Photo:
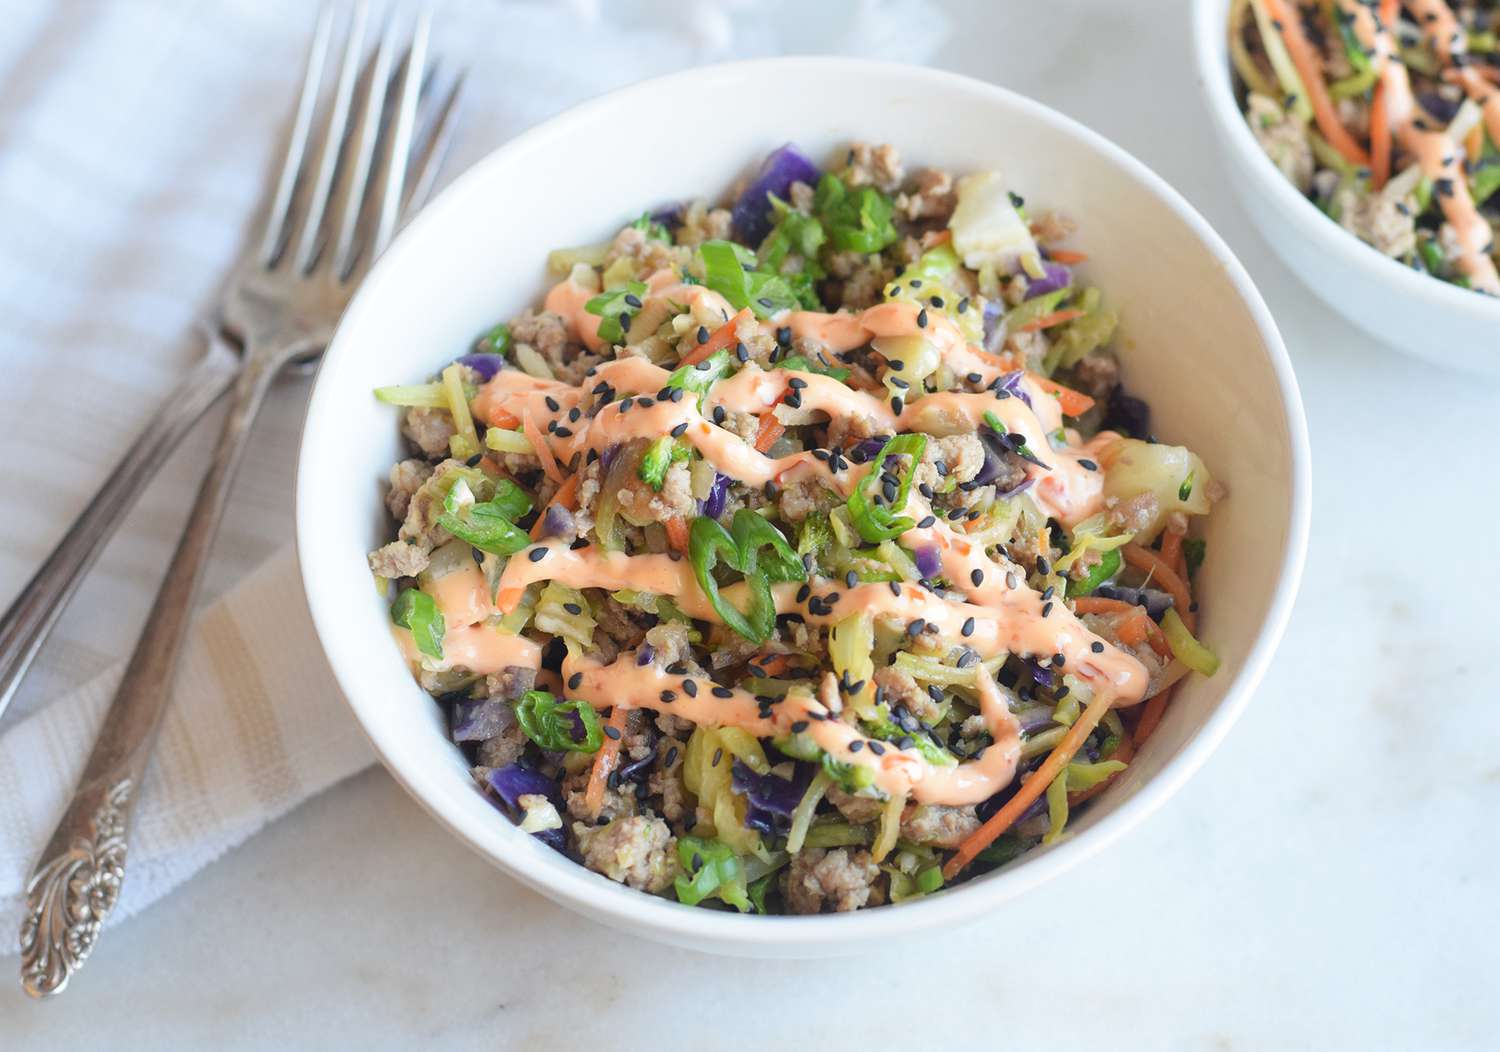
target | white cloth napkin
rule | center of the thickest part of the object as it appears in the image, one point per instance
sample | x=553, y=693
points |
x=133, y=138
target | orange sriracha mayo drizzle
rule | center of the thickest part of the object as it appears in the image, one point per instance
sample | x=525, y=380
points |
x=1002, y=614
x=1436, y=154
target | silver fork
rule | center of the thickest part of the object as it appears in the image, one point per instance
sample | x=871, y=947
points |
x=326, y=221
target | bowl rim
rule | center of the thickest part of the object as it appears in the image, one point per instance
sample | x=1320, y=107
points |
x=627, y=908
x=1211, y=57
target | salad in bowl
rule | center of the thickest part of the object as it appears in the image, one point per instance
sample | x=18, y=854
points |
x=1387, y=116
x=800, y=555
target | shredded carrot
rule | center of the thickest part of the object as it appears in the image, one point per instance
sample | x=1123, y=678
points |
x=999, y=361
x=1151, y=714
x=539, y=444
x=489, y=465
x=1380, y=138
x=1047, y=321
x=1152, y=563
x=932, y=239
x=1474, y=143
x=1309, y=67
x=720, y=338
x=566, y=496
x=1031, y=789
x=1135, y=626
x=1074, y=403
x=1063, y=255
x=770, y=430
x=677, y=533
x=1124, y=752
x=1171, y=551
x=604, y=761
x=503, y=418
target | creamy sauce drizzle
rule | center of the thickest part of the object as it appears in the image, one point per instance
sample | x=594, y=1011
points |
x=1436, y=154
x=1006, y=619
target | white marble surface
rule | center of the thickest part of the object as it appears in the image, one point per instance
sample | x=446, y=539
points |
x=1328, y=880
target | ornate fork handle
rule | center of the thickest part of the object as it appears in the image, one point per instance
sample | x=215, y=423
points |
x=36, y=609
x=77, y=881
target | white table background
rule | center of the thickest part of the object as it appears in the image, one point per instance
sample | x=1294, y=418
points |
x=1329, y=880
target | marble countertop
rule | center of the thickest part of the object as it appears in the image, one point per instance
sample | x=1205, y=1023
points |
x=1327, y=880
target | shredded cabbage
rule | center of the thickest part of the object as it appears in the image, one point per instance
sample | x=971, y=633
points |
x=849, y=646
x=1185, y=647
x=1172, y=474
x=987, y=228
x=554, y=615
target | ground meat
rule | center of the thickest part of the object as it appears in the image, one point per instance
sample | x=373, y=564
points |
x=425, y=505
x=399, y=559
x=505, y=748
x=1135, y=514
x=665, y=779
x=641, y=504
x=547, y=334
x=839, y=880
x=932, y=199
x=960, y=455
x=860, y=280
x=406, y=478
x=638, y=851
x=1096, y=375
x=510, y=683
x=804, y=497
x=1284, y=138
x=898, y=688
x=857, y=809
x=616, y=804
x=743, y=424
x=939, y=825
x=801, y=196
x=848, y=430
x=877, y=166
x=1048, y=227
x=649, y=254
x=428, y=430
x=618, y=622
x=700, y=224
x=1386, y=220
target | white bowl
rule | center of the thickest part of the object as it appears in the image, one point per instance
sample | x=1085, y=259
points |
x=1201, y=347
x=1410, y=311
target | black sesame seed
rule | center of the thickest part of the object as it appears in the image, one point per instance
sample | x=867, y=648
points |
x=922, y=318
x=877, y=748
x=895, y=588
x=573, y=608
x=646, y=403
x=719, y=414
x=968, y=629
x=679, y=430
x=690, y=688
x=1046, y=609
x=668, y=696
x=927, y=520
x=575, y=681
x=914, y=627
x=796, y=383
x=723, y=692
x=856, y=745
x=800, y=726
x=536, y=555
x=977, y=576
x=851, y=579
x=1097, y=647
x=612, y=732
x=703, y=334
x=718, y=756
x=1088, y=465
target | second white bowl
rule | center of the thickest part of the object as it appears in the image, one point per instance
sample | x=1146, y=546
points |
x=1413, y=312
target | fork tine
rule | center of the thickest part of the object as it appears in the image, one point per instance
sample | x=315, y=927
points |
x=276, y=215
x=395, y=146
x=351, y=194
x=429, y=158
x=333, y=140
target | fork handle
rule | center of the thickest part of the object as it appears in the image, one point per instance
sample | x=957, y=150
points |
x=77, y=882
x=35, y=611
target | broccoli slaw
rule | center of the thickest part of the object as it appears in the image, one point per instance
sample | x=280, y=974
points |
x=1387, y=116
x=802, y=556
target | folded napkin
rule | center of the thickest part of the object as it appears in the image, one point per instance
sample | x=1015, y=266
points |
x=256, y=726
x=133, y=138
